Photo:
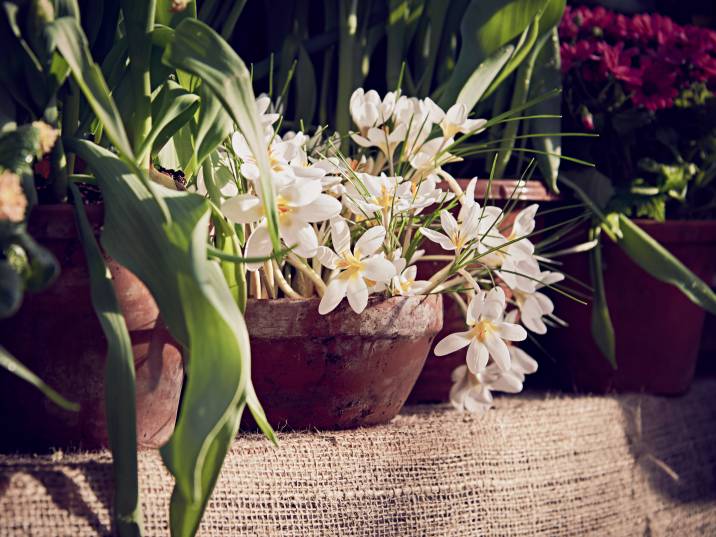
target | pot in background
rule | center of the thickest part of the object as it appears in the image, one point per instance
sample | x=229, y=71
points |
x=341, y=370
x=57, y=335
x=658, y=330
x=434, y=383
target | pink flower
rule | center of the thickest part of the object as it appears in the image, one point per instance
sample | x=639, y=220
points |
x=657, y=88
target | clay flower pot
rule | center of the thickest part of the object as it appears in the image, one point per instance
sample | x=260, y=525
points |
x=657, y=329
x=57, y=335
x=434, y=383
x=340, y=370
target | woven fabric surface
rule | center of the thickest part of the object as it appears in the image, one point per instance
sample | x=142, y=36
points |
x=536, y=465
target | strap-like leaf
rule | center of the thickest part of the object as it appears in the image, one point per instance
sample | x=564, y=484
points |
x=662, y=265
x=72, y=44
x=14, y=366
x=199, y=50
x=482, y=77
x=119, y=387
x=197, y=306
x=602, y=328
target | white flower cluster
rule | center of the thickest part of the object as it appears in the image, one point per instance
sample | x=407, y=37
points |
x=352, y=227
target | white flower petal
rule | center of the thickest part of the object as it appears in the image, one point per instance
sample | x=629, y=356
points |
x=357, y=294
x=378, y=269
x=258, y=245
x=453, y=342
x=510, y=332
x=327, y=257
x=300, y=236
x=340, y=235
x=335, y=292
x=521, y=361
x=507, y=382
x=498, y=350
x=435, y=236
x=243, y=209
x=301, y=192
x=477, y=356
x=370, y=242
x=324, y=207
x=448, y=223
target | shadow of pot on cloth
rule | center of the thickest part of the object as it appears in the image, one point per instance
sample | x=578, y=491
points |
x=56, y=334
x=657, y=329
x=341, y=370
x=434, y=383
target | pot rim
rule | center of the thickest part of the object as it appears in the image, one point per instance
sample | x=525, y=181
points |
x=399, y=316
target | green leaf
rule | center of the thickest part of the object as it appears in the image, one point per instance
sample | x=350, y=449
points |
x=9, y=362
x=212, y=126
x=197, y=306
x=662, y=265
x=482, y=77
x=198, y=50
x=172, y=108
x=602, y=328
x=119, y=388
x=306, y=90
x=18, y=147
x=547, y=76
x=72, y=44
x=43, y=268
x=488, y=25
x=11, y=290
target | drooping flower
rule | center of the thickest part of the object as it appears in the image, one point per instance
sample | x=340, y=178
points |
x=473, y=392
x=487, y=334
x=298, y=204
x=535, y=305
x=12, y=199
x=357, y=270
x=456, y=121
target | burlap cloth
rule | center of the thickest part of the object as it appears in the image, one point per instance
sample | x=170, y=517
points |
x=537, y=465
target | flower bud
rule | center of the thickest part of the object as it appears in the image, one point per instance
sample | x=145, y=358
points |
x=47, y=137
x=12, y=199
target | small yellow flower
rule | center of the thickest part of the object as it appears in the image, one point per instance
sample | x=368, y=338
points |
x=48, y=136
x=12, y=199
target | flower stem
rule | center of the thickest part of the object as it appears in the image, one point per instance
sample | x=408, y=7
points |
x=301, y=266
x=282, y=283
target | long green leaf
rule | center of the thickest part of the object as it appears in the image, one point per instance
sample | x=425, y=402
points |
x=119, y=386
x=602, y=328
x=482, y=77
x=14, y=366
x=486, y=26
x=197, y=306
x=72, y=44
x=547, y=76
x=172, y=108
x=199, y=50
x=662, y=265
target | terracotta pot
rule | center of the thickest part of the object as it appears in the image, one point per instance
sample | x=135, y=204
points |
x=434, y=383
x=658, y=329
x=57, y=335
x=341, y=370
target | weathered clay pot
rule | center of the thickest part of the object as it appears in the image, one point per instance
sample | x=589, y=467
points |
x=434, y=382
x=657, y=329
x=340, y=370
x=57, y=335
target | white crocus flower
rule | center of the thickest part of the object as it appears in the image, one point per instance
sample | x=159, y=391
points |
x=456, y=235
x=425, y=192
x=279, y=155
x=432, y=155
x=357, y=270
x=374, y=194
x=365, y=109
x=473, y=392
x=456, y=121
x=405, y=283
x=382, y=138
x=263, y=103
x=298, y=205
x=486, y=334
x=533, y=306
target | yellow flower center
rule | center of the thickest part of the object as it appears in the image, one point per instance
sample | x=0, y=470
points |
x=386, y=198
x=283, y=208
x=406, y=285
x=481, y=329
x=350, y=264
